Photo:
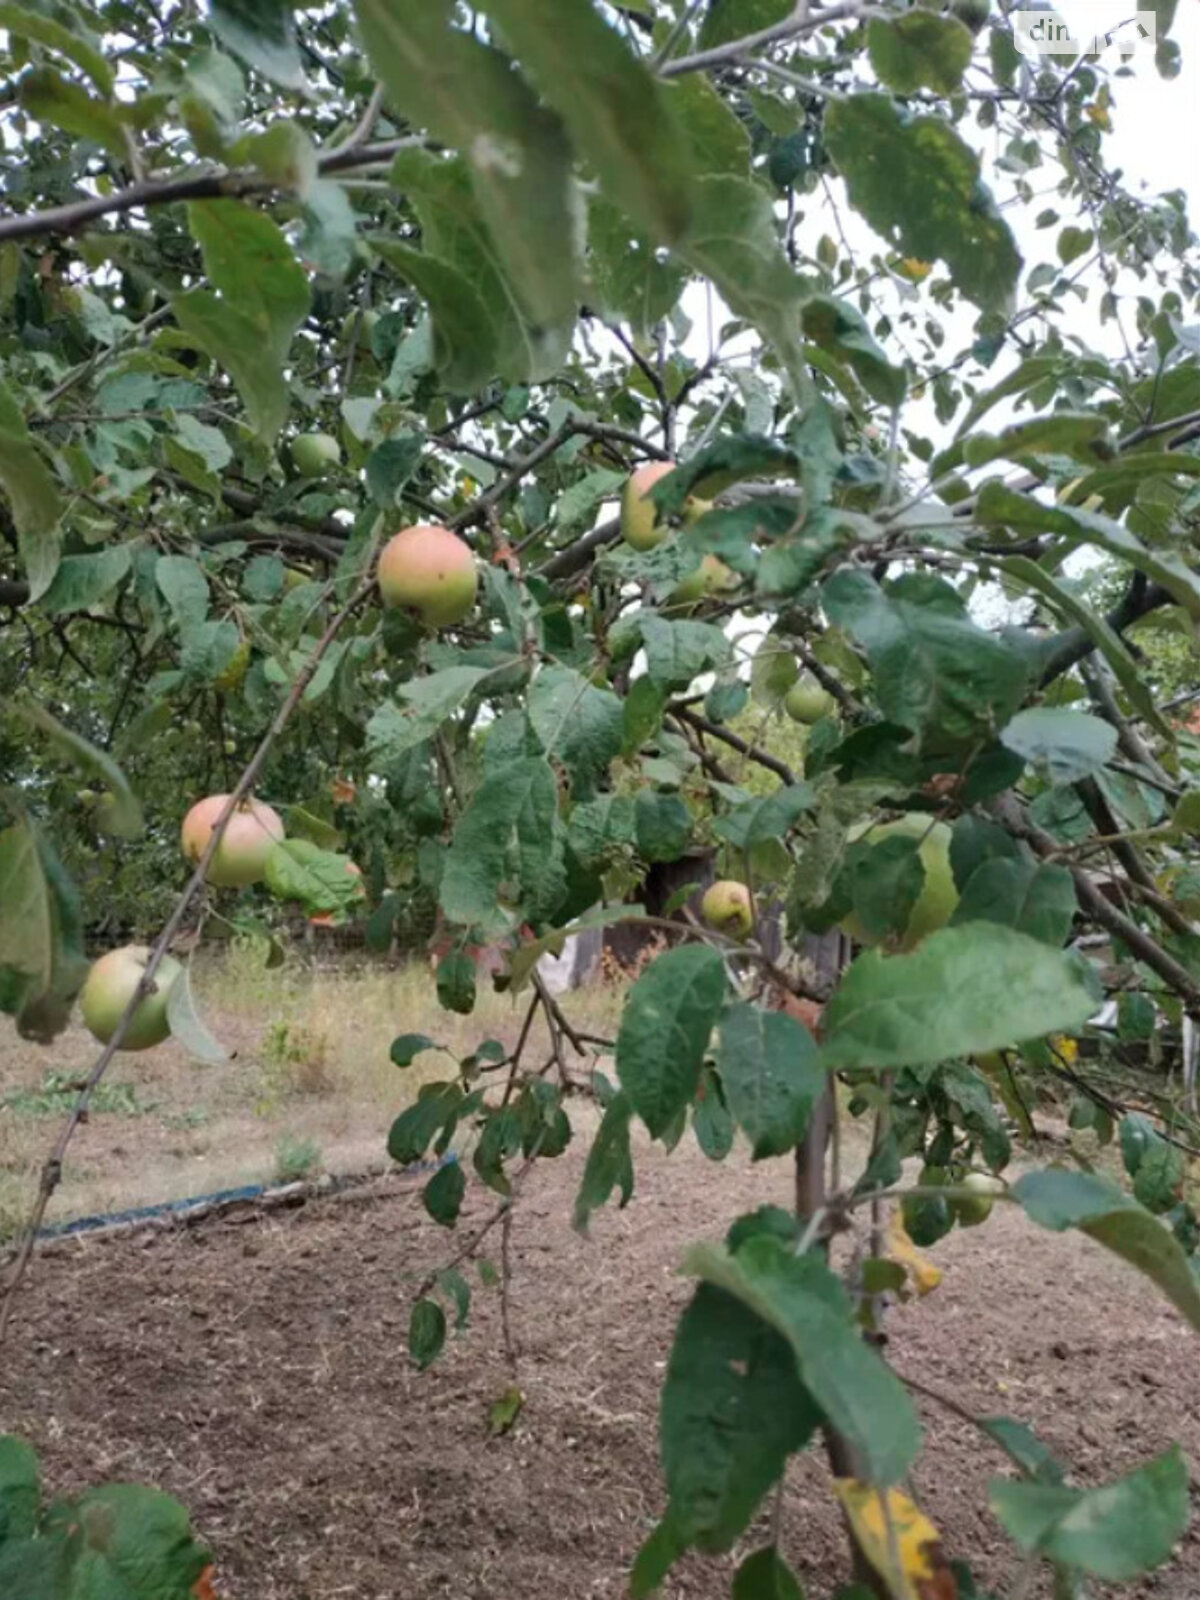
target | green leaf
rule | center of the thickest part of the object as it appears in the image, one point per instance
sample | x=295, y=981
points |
x=443, y=1194
x=719, y=466
x=187, y=1026
x=456, y=983
x=936, y=672
x=658, y=1553
x=56, y=35
x=1023, y=1447
x=1060, y=744
x=1058, y=1200
x=609, y=1164
x=614, y=110
x=1083, y=435
x=83, y=581
x=919, y=49
x=32, y=495
x=390, y=466
x=669, y=1016
x=765, y=1575
x=184, y=587
x=42, y=965
x=406, y=1047
x=711, y=1121
x=466, y=93
x=503, y=1413
x=68, y=107
x=577, y=723
x=431, y=700
x=1115, y=1532
x=426, y=1332
x=123, y=815
x=510, y=830
x=1035, y=899
x=998, y=504
x=1110, y=644
x=771, y=1076
x=727, y=20
x=262, y=298
x=19, y=1491
x=768, y=818
x=441, y=192
x=263, y=33
x=719, y=142
x=321, y=880
x=628, y=278
x=836, y=326
x=732, y=1410
x=120, y=1540
x=734, y=241
x=886, y=881
x=963, y=991
x=678, y=652
x=641, y=714
x=411, y=1133
x=918, y=185
x=464, y=339
x=802, y=1299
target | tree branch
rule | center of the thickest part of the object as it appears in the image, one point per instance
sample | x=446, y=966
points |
x=802, y=20
x=734, y=741
x=51, y=1173
x=222, y=183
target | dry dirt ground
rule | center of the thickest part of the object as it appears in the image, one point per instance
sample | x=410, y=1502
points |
x=258, y=1372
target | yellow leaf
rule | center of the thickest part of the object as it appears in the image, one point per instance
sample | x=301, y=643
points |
x=1066, y=1049
x=912, y=268
x=898, y=1540
x=900, y=1249
x=1099, y=115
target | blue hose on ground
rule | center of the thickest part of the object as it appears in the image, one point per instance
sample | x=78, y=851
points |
x=252, y=1191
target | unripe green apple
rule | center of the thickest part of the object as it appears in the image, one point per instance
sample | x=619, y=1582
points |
x=640, y=525
x=939, y=896
x=431, y=571
x=109, y=987
x=250, y=835
x=972, y=13
x=807, y=702
x=727, y=908
x=710, y=577
x=978, y=1208
x=315, y=454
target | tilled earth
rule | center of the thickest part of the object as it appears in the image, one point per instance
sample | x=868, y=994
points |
x=257, y=1370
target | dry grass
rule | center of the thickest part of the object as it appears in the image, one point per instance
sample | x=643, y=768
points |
x=309, y=1070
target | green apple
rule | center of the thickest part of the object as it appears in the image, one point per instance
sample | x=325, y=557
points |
x=315, y=454
x=939, y=896
x=110, y=986
x=640, y=525
x=807, y=702
x=727, y=908
x=710, y=577
x=978, y=1208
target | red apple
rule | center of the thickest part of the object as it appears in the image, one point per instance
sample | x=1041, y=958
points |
x=252, y=832
x=430, y=570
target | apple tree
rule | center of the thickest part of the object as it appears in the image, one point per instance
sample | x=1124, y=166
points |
x=447, y=446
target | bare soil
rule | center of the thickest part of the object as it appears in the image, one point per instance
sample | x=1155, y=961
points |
x=258, y=1372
